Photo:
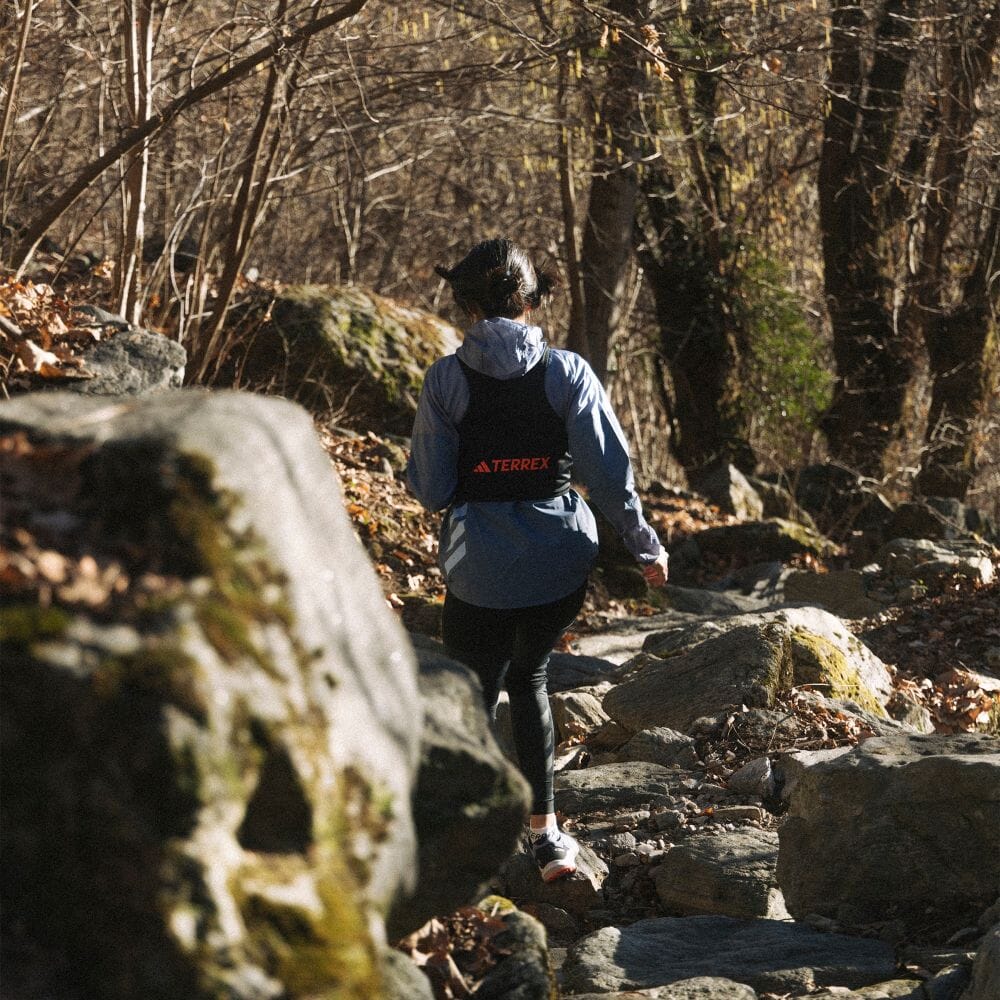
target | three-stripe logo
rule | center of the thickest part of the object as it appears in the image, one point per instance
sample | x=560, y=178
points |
x=482, y=467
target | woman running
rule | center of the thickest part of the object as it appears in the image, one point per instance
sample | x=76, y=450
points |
x=502, y=427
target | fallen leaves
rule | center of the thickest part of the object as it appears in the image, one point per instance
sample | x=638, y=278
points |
x=944, y=650
x=457, y=951
x=38, y=337
x=44, y=575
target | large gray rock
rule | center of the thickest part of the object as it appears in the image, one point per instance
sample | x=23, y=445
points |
x=842, y=592
x=926, y=560
x=662, y=746
x=732, y=873
x=761, y=541
x=696, y=988
x=892, y=830
x=613, y=786
x=820, y=649
x=746, y=665
x=985, y=983
x=211, y=794
x=769, y=955
x=469, y=804
x=576, y=894
x=132, y=362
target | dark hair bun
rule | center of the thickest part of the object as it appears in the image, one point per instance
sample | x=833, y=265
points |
x=496, y=278
x=502, y=282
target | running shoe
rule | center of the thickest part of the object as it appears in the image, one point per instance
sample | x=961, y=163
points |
x=554, y=852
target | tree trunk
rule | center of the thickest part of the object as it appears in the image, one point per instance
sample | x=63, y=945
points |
x=9, y=107
x=685, y=261
x=695, y=341
x=607, y=232
x=138, y=27
x=873, y=364
x=963, y=347
x=962, y=341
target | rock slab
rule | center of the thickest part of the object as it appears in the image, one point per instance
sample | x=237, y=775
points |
x=469, y=803
x=732, y=873
x=768, y=955
x=891, y=829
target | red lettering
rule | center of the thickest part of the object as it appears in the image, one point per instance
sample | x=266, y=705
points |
x=545, y=462
x=505, y=465
x=496, y=464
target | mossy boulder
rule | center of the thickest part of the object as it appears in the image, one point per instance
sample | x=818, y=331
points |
x=816, y=639
x=747, y=665
x=710, y=667
x=206, y=770
x=326, y=345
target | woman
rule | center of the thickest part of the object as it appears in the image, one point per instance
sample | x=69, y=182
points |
x=501, y=426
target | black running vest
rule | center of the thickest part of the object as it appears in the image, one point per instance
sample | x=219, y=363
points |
x=512, y=444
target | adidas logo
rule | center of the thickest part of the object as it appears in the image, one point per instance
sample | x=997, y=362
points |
x=482, y=467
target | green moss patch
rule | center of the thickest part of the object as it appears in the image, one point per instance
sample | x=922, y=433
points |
x=817, y=661
x=23, y=624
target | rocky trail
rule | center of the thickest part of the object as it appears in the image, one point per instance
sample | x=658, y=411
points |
x=684, y=826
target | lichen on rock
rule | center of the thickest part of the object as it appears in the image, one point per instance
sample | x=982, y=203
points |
x=818, y=662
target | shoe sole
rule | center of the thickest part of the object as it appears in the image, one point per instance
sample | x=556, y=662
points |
x=558, y=872
x=557, y=869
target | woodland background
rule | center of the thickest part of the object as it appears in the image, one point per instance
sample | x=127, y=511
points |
x=776, y=222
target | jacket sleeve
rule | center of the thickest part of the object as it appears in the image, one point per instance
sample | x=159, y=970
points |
x=600, y=455
x=432, y=470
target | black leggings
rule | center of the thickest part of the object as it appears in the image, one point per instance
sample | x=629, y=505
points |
x=510, y=647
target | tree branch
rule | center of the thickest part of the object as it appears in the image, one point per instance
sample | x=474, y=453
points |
x=138, y=134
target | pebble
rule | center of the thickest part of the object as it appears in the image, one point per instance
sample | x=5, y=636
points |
x=669, y=820
x=628, y=860
x=734, y=814
x=619, y=843
x=629, y=821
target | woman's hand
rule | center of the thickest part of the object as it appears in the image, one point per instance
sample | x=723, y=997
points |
x=656, y=572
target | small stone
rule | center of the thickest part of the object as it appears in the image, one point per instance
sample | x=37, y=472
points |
x=630, y=820
x=755, y=777
x=668, y=820
x=619, y=843
x=627, y=860
x=735, y=814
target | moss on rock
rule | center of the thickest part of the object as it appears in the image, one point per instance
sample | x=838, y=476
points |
x=23, y=624
x=817, y=661
x=324, y=344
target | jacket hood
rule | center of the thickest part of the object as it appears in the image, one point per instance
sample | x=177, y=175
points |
x=502, y=348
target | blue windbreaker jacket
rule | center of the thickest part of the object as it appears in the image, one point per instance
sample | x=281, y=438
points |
x=510, y=554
